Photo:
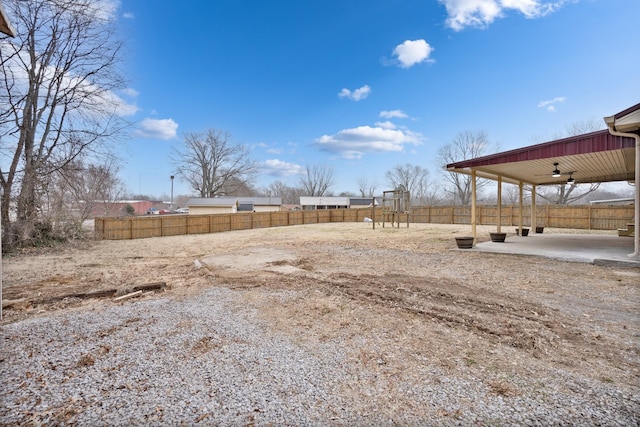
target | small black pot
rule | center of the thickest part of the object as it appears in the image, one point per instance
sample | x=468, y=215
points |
x=525, y=232
x=464, y=242
x=498, y=237
x=539, y=230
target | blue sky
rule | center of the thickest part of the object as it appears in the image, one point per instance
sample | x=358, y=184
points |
x=364, y=85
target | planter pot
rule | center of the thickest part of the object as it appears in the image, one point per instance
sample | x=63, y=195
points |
x=525, y=232
x=539, y=230
x=464, y=242
x=498, y=237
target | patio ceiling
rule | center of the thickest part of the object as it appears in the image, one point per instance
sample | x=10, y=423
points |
x=593, y=157
x=5, y=25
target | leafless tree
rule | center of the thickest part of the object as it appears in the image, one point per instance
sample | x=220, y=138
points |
x=366, y=187
x=289, y=194
x=56, y=93
x=212, y=164
x=580, y=127
x=466, y=145
x=511, y=193
x=78, y=191
x=316, y=180
x=413, y=178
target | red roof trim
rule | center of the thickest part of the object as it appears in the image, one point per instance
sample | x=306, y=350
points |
x=592, y=142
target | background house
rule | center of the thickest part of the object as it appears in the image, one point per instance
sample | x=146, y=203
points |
x=212, y=205
x=310, y=203
x=232, y=204
x=260, y=204
x=335, y=202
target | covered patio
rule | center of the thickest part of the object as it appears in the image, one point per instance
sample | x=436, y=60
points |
x=604, y=156
x=600, y=249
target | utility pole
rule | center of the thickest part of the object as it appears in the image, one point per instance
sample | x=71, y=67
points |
x=171, y=209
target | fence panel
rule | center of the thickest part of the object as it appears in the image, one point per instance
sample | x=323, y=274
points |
x=487, y=215
x=116, y=228
x=310, y=217
x=241, y=221
x=220, y=222
x=296, y=218
x=324, y=216
x=350, y=215
x=198, y=224
x=568, y=216
x=174, y=225
x=337, y=215
x=461, y=215
x=279, y=219
x=441, y=214
x=261, y=220
x=603, y=217
x=150, y=226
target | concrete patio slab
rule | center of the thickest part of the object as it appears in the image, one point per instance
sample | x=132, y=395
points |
x=600, y=249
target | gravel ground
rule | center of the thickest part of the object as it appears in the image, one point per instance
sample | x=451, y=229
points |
x=212, y=361
x=287, y=343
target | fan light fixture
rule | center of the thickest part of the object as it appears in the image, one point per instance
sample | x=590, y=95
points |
x=556, y=173
x=570, y=180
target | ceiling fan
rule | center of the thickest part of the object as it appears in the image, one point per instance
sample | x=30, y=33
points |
x=556, y=173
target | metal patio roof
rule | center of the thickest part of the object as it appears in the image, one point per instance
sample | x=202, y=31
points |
x=5, y=25
x=603, y=156
x=592, y=157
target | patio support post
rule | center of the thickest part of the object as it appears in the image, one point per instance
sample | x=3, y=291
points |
x=498, y=228
x=534, y=219
x=520, y=216
x=473, y=204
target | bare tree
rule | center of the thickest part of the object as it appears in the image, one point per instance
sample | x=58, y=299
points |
x=580, y=127
x=413, y=178
x=563, y=194
x=289, y=195
x=58, y=77
x=316, y=180
x=212, y=165
x=466, y=145
x=78, y=191
x=366, y=187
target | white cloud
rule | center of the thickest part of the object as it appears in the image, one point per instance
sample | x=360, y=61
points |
x=386, y=125
x=128, y=15
x=156, y=129
x=356, y=142
x=356, y=95
x=275, y=167
x=393, y=114
x=550, y=105
x=412, y=52
x=104, y=9
x=481, y=13
x=130, y=92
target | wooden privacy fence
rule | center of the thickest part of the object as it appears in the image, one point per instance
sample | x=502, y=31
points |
x=588, y=217
x=600, y=217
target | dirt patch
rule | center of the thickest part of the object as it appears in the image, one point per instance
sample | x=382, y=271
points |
x=404, y=292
